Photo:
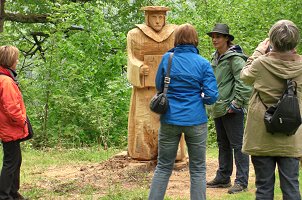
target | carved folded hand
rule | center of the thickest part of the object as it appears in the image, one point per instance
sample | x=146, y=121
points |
x=144, y=70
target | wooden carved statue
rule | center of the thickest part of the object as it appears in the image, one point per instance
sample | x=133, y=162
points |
x=145, y=46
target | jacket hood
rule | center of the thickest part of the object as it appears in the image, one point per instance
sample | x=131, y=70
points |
x=283, y=65
x=234, y=50
x=184, y=48
x=9, y=72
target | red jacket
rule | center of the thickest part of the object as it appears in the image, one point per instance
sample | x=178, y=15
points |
x=13, y=124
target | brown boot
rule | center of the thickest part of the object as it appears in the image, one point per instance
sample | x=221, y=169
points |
x=237, y=188
x=215, y=183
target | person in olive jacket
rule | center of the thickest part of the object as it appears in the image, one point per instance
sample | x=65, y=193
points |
x=268, y=73
x=228, y=111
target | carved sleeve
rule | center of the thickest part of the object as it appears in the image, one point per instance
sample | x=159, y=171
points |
x=133, y=63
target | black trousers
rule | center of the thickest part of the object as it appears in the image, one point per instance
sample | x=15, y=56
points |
x=288, y=169
x=10, y=173
x=229, y=129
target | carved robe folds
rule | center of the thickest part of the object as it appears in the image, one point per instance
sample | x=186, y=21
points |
x=145, y=47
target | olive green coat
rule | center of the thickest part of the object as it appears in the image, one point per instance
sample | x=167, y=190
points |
x=227, y=70
x=267, y=73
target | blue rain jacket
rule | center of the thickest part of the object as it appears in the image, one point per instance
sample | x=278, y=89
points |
x=192, y=85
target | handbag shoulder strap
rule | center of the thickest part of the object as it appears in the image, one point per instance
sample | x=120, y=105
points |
x=290, y=89
x=167, y=77
x=261, y=100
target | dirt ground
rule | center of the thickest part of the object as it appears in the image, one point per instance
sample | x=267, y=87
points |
x=125, y=173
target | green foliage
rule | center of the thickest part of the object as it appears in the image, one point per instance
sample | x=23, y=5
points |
x=211, y=142
x=83, y=95
x=249, y=21
x=75, y=88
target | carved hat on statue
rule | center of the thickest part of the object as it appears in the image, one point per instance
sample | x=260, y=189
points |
x=154, y=9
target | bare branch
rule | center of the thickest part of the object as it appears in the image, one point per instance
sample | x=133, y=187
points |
x=30, y=18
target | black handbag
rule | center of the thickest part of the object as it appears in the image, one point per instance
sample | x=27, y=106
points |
x=30, y=131
x=159, y=102
x=284, y=117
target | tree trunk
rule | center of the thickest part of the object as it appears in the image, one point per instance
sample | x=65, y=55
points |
x=1, y=15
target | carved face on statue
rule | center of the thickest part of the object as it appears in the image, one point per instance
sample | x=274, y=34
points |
x=156, y=21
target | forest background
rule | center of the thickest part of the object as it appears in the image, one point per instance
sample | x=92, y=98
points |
x=72, y=68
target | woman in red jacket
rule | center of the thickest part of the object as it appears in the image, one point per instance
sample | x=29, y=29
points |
x=13, y=125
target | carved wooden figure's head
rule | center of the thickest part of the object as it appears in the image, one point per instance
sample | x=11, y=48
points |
x=156, y=21
x=155, y=17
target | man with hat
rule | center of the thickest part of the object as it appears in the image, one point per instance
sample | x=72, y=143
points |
x=145, y=46
x=228, y=111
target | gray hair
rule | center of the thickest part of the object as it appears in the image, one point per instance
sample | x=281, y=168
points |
x=284, y=36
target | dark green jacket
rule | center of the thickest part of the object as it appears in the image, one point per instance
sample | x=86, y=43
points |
x=227, y=68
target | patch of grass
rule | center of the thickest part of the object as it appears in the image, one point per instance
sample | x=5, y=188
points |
x=34, y=193
x=240, y=196
x=212, y=153
x=118, y=193
x=66, y=188
x=177, y=198
x=48, y=157
x=88, y=189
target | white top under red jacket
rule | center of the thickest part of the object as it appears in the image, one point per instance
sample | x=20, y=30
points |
x=13, y=124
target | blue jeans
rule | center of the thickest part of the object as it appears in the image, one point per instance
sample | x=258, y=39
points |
x=168, y=140
x=265, y=177
x=230, y=128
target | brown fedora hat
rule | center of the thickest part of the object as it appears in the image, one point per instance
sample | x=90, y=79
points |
x=222, y=29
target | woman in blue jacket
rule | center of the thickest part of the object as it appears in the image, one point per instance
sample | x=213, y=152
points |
x=192, y=85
